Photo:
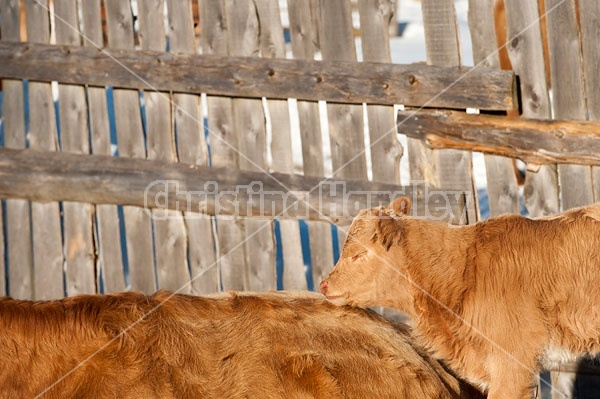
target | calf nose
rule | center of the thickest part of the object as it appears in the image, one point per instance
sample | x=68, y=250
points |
x=324, y=285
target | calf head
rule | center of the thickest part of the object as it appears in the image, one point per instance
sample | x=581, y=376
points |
x=370, y=269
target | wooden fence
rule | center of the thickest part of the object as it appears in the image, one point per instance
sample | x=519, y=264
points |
x=196, y=92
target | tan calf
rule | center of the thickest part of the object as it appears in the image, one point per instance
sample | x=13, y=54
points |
x=234, y=346
x=496, y=301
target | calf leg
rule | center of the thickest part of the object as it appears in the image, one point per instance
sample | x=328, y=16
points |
x=512, y=381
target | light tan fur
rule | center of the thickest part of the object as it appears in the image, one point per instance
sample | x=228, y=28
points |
x=231, y=346
x=496, y=301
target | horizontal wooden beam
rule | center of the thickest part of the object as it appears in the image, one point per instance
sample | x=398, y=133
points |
x=533, y=141
x=52, y=176
x=343, y=82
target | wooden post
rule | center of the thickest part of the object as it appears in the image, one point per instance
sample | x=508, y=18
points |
x=45, y=218
x=568, y=95
x=108, y=242
x=589, y=12
x=454, y=168
x=272, y=45
x=18, y=212
x=170, y=237
x=346, y=124
x=79, y=248
x=526, y=53
x=304, y=34
x=502, y=186
x=223, y=143
x=130, y=138
x=191, y=148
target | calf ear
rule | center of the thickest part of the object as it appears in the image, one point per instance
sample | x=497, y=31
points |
x=389, y=231
x=401, y=206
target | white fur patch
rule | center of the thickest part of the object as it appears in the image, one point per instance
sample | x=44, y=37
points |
x=554, y=357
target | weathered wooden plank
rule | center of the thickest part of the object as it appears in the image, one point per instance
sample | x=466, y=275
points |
x=272, y=45
x=386, y=150
x=453, y=168
x=589, y=13
x=569, y=102
x=138, y=225
x=534, y=141
x=18, y=212
x=526, y=53
x=423, y=164
x=334, y=81
x=109, y=251
x=45, y=218
x=170, y=237
x=304, y=38
x=249, y=124
x=79, y=251
x=223, y=142
x=568, y=95
x=46, y=176
x=191, y=148
x=346, y=124
x=502, y=185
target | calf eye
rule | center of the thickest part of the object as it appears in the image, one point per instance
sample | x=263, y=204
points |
x=358, y=256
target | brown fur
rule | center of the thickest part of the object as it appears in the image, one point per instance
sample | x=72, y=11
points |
x=235, y=346
x=527, y=287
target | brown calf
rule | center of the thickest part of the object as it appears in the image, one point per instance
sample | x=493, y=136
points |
x=496, y=301
x=236, y=346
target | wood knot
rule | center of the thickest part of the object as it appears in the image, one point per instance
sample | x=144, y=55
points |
x=412, y=79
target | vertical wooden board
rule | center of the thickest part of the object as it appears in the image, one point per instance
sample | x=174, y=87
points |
x=346, y=124
x=386, y=150
x=568, y=94
x=191, y=148
x=45, y=218
x=423, y=163
x=502, y=185
x=589, y=13
x=18, y=212
x=526, y=54
x=79, y=251
x=272, y=45
x=109, y=251
x=130, y=140
x=223, y=144
x=455, y=169
x=304, y=34
x=170, y=237
x=249, y=125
